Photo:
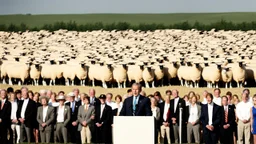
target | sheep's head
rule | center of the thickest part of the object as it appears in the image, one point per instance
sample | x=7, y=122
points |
x=197, y=65
x=161, y=67
x=149, y=68
x=109, y=66
x=124, y=66
x=206, y=64
x=141, y=67
x=101, y=63
x=93, y=62
x=37, y=66
x=17, y=59
x=218, y=66
x=175, y=64
x=240, y=64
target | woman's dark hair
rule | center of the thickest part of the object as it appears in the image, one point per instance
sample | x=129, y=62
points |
x=118, y=96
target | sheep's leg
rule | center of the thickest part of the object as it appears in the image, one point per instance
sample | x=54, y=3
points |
x=67, y=82
x=230, y=85
x=162, y=82
x=241, y=85
x=226, y=85
x=124, y=84
x=186, y=83
x=10, y=81
x=93, y=83
x=104, y=84
x=153, y=84
x=72, y=82
x=238, y=85
x=34, y=82
x=147, y=85
x=19, y=83
x=53, y=82
x=181, y=83
x=4, y=81
x=119, y=85
x=81, y=82
x=197, y=84
x=191, y=84
x=44, y=82
x=217, y=85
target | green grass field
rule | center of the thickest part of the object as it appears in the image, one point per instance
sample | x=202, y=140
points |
x=134, y=19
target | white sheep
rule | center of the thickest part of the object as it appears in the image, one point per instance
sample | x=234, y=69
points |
x=148, y=76
x=18, y=71
x=170, y=70
x=212, y=75
x=134, y=72
x=35, y=73
x=120, y=75
x=226, y=76
x=81, y=73
x=239, y=74
x=103, y=73
x=159, y=73
x=51, y=72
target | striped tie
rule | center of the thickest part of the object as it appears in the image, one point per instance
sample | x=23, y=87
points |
x=226, y=116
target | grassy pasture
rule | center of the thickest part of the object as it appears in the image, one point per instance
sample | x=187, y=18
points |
x=133, y=19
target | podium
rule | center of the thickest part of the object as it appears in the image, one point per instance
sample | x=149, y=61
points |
x=134, y=130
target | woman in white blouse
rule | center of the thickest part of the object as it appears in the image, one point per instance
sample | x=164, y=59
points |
x=118, y=103
x=15, y=124
x=156, y=113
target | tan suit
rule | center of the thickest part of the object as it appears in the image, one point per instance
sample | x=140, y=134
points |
x=45, y=132
x=84, y=114
x=61, y=127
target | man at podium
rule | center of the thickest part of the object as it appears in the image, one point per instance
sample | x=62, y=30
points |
x=136, y=105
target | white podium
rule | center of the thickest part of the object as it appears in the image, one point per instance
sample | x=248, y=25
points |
x=134, y=130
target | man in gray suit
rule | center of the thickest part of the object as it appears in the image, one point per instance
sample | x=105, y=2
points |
x=85, y=117
x=45, y=118
x=62, y=120
x=192, y=118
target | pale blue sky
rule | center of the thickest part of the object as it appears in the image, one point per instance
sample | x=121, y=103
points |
x=124, y=6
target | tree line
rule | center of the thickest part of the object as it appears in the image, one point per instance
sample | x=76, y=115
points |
x=73, y=26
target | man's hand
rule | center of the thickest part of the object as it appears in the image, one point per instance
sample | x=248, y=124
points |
x=98, y=125
x=74, y=123
x=226, y=126
x=14, y=121
x=43, y=125
x=93, y=117
x=193, y=123
x=0, y=120
x=84, y=123
x=166, y=124
x=245, y=121
x=21, y=120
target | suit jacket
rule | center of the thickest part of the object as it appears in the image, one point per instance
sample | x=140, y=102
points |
x=96, y=102
x=30, y=113
x=73, y=114
x=67, y=114
x=188, y=108
x=5, y=113
x=106, y=117
x=49, y=119
x=216, y=116
x=161, y=120
x=231, y=116
x=85, y=116
x=142, y=108
x=176, y=114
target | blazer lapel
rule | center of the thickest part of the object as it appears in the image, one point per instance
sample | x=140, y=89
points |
x=206, y=110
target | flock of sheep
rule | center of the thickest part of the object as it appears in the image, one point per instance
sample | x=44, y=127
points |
x=116, y=58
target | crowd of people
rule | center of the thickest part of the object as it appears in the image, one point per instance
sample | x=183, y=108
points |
x=46, y=116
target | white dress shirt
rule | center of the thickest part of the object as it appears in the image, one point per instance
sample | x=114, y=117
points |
x=14, y=110
x=210, y=112
x=45, y=109
x=53, y=104
x=111, y=104
x=217, y=101
x=193, y=113
x=243, y=110
x=2, y=102
x=60, y=116
x=176, y=100
x=24, y=107
x=101, y=109
x=187, y=103
x=166, y=108
x=204, y=101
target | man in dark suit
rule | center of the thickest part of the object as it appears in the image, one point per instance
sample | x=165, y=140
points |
x=227, y=122
x=73, y=123
x=175, y=104
x=26, y=114
x=93, y=100
x=5, y=116
x=210, y=118
x=103, y=121
x=136, y=105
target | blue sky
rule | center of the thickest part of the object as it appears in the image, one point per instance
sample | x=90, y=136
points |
x=124, y=6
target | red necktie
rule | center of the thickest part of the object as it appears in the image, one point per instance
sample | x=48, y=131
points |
x=168, y=114
x=226, y=116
